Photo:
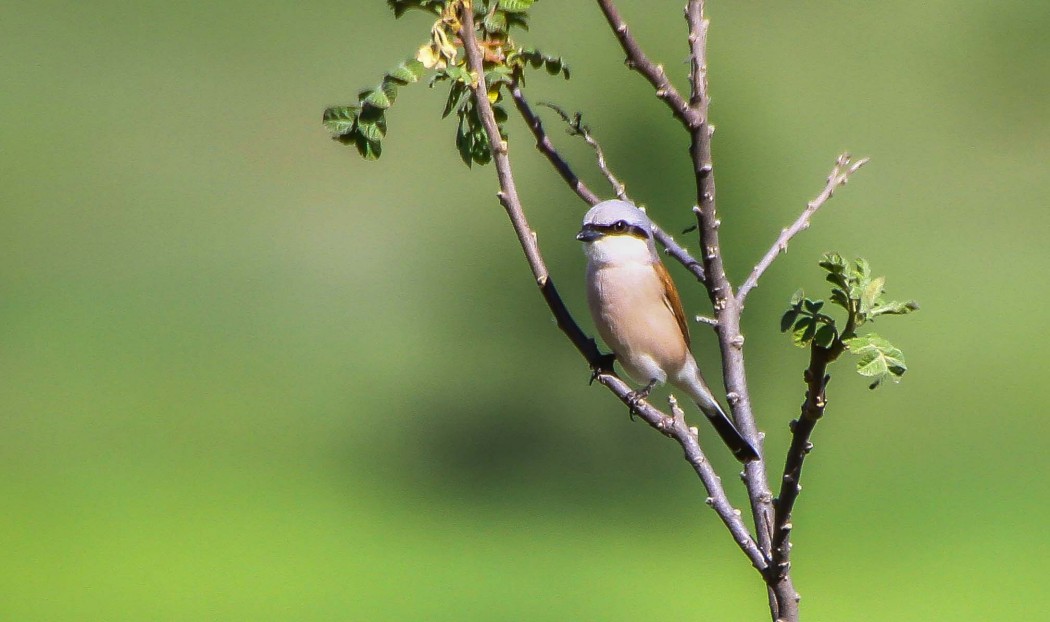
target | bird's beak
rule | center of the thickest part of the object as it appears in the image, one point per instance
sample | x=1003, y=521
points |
x=588, y=234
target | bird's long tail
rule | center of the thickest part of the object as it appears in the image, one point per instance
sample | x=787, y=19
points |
x=732, y=437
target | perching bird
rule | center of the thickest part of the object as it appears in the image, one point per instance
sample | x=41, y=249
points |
x=638, y=312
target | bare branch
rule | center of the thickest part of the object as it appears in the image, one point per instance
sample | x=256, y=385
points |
x=801, y=430
x=720, y=290
x=783, y=599
x=840, y=174
x=698, y=24
x=717, y=498
x=674, y=427
x=681, y=255
x=546, y=147
x=577, y=128
x=654, y=73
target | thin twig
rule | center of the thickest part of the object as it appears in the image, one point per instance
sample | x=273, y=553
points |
x=653, y=72
x=720, y=290
x=717, y=500
x=600, y=364
x=577, y=128
x=682, y=256
x=840, y=174
x=546, y=147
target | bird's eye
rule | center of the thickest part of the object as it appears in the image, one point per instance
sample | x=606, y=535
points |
x=620, y=226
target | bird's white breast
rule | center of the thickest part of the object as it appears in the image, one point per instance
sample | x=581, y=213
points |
x=627, y=301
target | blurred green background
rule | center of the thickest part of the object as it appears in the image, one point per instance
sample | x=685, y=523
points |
x=245, y=375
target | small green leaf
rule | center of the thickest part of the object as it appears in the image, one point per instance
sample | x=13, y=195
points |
x=515, y=6
x=373, y=132
x=813, y=306
x=839, y=298
x=879, y=359
x=369, y=150
x=407, y=72
x=520, y=20
x=862, y=269
x=788, y=319
x=532, y=57
x=401, y=6
x=376, y=98
x=500, y=115
x=501, y=74
x=895, y=308
x=340, y=120
x=464, y=141
x=481, y=152
x=825, y=336
x=458, y=73
x=455, y=96
x=870, y=296
x=834, y=263
x=496, y=21
x=804, y=330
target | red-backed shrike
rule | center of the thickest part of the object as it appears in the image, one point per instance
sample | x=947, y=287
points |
x=638, y=312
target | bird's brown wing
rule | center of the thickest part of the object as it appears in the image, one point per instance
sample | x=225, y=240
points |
x=672, y=300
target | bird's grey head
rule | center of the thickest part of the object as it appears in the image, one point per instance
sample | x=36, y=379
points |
x=615, y=218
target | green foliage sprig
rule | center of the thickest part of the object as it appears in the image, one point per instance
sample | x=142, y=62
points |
x=364, y=122
x=861, y=296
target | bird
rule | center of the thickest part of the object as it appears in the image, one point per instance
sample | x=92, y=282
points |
x=638, y=312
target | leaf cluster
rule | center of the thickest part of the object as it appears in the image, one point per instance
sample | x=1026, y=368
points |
x=860, y=295
x=364, y=123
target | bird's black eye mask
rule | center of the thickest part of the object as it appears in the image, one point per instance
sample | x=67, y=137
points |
x=592, y=231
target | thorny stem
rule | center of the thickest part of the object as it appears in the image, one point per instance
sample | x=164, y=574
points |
x=782, y=596
x=816, y=378
x=687, y=438
x=654, y=73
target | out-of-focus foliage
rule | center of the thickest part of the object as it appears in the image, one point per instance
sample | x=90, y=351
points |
x=245, y=375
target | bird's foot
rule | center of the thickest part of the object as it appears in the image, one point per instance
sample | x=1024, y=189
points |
x=635, y=397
